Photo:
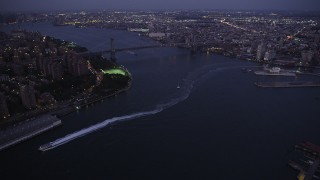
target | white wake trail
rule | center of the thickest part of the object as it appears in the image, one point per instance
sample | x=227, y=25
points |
x=185, y=92
x=98, y=126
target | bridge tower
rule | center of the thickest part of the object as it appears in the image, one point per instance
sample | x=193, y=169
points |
x=112, y=51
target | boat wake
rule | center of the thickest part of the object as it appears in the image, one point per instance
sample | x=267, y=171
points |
x=184, y=93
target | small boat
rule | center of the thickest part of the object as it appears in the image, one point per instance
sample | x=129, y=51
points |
x=246, y=70
x=178, y=87
x=274, y=70
x=46, y=147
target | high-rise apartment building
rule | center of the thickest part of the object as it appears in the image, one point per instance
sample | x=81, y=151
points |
x=28, y=98
x=4, y=113
x=261, y=51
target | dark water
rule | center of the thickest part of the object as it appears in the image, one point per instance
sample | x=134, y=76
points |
x=217, y=126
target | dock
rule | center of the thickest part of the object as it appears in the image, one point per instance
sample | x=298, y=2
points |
x=27, y=129
x=309, y=170
x=265, y=73
x=287, y=84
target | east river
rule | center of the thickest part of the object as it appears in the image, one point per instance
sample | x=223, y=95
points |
x=218, y=125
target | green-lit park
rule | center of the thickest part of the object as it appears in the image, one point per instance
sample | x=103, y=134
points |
x=116, y=71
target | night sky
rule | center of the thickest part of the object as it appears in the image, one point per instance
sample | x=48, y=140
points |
x=38, y=5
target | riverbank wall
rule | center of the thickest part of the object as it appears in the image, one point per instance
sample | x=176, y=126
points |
x=25, y=130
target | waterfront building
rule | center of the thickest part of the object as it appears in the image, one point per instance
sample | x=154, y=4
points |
x=4, y=113
x=317, y=39
x=59, y=20
x=269, y=55
x=157, y=35
x=4, y=78
x=39, y=61
x=317, y=57
x=19, y=33
x=28, y=98
x=261, y=51
x=44, y=66
x=70, y=64
x=52, y=67
x=1, y=59
x=306, y=57
x=46, y=99
x=16, y=58
x=81, y=68
x=57, y=70
x=18, y=69
x=76, y=65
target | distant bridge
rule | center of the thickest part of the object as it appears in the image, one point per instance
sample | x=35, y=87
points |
x=113, y=50
x=121, y=50
x=193, y=46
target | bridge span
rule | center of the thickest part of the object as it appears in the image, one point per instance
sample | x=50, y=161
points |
x=193, y=46
x=121, y=50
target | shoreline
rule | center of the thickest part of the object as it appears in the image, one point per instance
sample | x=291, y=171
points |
x=21, y=127
x=74, y=109
x=27, y=129
x=15, y=129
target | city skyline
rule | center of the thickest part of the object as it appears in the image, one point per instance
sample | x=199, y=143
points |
x=45, y=5
x=160, y=89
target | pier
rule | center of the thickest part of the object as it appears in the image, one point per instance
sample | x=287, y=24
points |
x=265, y=73
x=287, y=84
x=308, y=168
x=27, y=129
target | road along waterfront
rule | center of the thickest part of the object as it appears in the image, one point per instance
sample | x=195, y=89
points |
x=27, y=129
